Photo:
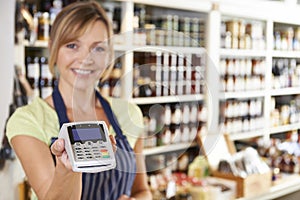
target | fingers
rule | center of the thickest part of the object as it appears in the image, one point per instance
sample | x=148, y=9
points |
x=58, y=147
x=62, y=159
x=113, y=142
x=125, y=197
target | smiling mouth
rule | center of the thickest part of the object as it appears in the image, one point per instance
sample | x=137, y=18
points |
x=82, y=71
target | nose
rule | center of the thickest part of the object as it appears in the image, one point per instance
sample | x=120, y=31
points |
x=86, y=57
x=88, y=60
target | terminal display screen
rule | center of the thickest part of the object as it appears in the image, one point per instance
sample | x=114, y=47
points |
x=86, y=132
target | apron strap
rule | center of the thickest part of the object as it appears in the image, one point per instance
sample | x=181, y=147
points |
x=59, y=106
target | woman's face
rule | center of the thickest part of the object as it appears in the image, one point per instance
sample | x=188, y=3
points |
x=82, y=61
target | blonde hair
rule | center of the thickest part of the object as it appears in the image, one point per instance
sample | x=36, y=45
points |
x=71, y=22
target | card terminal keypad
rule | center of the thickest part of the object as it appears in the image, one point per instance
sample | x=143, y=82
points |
x=90, y=150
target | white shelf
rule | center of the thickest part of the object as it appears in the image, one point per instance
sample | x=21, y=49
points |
x=244, y=9
x=247, y=135
x=261, y=10
x=242, y=94
x=242, y=53
x=167, y=99
x=38, y=43
x=149, y=48
x=285, y=91
x=135, y=48
x=168, y=148
x=286, y=54
x=284, y=128
x=192, y=5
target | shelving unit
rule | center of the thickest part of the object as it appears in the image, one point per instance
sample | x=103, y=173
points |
x=214, y=52
x=242, y=10
x=129, y=50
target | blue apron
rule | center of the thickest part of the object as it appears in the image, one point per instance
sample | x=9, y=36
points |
x=107, y=185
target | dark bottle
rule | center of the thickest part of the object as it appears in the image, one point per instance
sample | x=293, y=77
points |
x=165, y=74
x=33, y=74
x=283, y=164
x=175, y=133
x=114, y=80
x=293, y=164
x=166, y=135
x=173, y=74
x=140, y=12
x=45, y=79
x=144, y=85
x=20, y=97
x=45, y=5
x=136, y=76
x=104, y=87
x=44, y=26
x=176, y=116
x=180, y=88
x=116, y=20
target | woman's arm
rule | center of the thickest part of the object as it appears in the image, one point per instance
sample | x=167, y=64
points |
x=48, y=181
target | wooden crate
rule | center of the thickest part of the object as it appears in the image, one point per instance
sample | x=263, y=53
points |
x=250, y=186
x=223, y=147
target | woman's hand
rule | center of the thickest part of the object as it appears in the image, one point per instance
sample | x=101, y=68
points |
x=125, y=197
x=113, y=142
x=58, y=149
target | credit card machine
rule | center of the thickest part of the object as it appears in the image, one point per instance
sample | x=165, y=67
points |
x=88, y=146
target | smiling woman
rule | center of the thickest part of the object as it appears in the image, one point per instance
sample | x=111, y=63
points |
x=81, y=53
x=81, y=62
x=68, y=33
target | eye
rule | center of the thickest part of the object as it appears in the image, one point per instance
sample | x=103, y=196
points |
x=71, y=46
x=98, y=49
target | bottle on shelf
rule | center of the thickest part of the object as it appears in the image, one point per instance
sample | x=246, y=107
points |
x=115, y=79
x=46, y=87
x=104, y=87
x=242, y=34
x=116, y=20
x=54, y=10
x=33, y=74
x=144, y=87
x=43, y=26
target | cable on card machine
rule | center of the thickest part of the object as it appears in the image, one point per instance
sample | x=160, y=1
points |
x=88, y=146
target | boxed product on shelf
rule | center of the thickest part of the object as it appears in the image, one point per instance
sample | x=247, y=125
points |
x=250, y=185
x=179, y=185
x=215, y=189
x=251, y=174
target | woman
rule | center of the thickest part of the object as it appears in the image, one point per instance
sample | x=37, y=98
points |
x=80, y=51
